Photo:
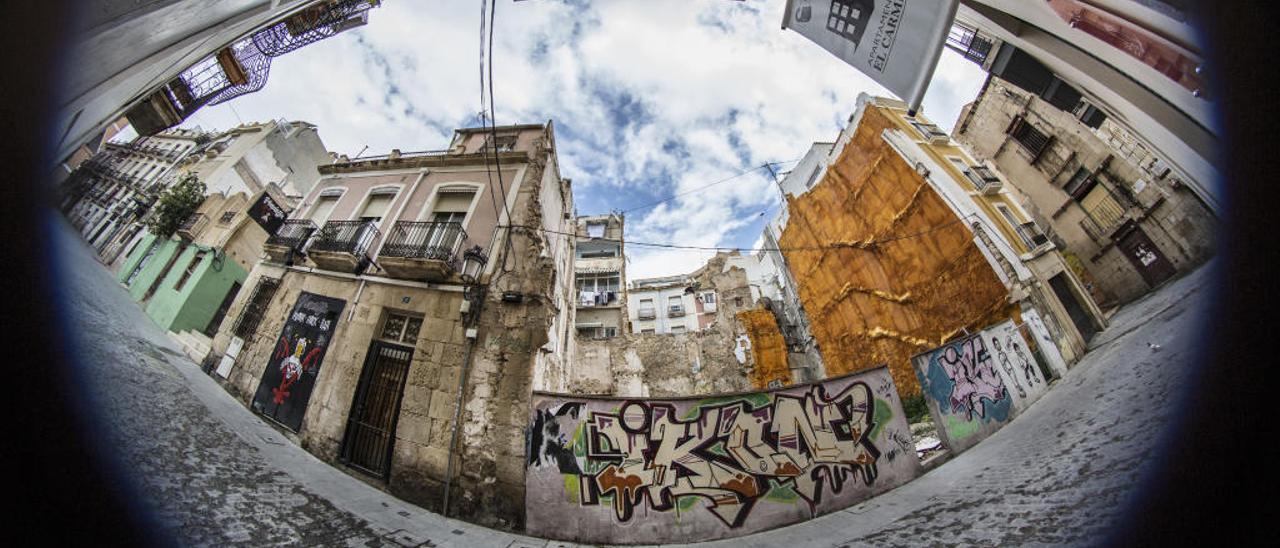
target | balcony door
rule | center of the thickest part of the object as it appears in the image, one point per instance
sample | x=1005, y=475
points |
x=374, y=210
x=451, y=206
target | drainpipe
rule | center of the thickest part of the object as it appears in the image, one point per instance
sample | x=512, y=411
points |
x=351, y=313
x=475, y=296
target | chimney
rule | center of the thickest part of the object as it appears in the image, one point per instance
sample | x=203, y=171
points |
x=395, y=154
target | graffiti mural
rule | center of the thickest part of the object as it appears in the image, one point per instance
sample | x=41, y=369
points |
x=965, y=394
x=286, y=384
x=1017, y=366
x=704, y=469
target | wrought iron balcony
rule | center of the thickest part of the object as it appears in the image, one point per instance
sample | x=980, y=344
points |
x=1031, y=235
x=984, y=179
x=312, y=25
x=675, y=311
x=290, y=239
x=342, y=245
x=417, y=250
x=193, y=226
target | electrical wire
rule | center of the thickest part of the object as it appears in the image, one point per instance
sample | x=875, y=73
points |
x=706, y=186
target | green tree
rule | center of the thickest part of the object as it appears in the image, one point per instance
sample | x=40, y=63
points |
x=175, y=205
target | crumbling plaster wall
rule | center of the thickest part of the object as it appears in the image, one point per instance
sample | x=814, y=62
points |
x=885, y=269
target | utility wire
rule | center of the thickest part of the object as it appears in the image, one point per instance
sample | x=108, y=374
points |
x=706, y=186
x=858, y=245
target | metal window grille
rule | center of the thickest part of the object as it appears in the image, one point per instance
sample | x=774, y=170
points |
x=256, y=308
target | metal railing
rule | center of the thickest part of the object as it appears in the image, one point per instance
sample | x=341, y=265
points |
x=1031, y=235
x=424, y=240
x=675, y=310
x=983, y=178
x=293, y=234
x=647, y=314
x=352, y=237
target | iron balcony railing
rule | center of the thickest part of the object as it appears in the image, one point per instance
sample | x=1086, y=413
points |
x=1031, y=235
x=354, y=237
x=425, y=240
x=984, y=179
x=293, y=234
x=675, y=310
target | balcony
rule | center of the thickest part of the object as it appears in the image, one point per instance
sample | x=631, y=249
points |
x=289, y=240
x=647, y=314
x=341, y=246
x=984, y=179
x=422, y=250
x=1031, y=235
x=675, y=311
x=193, y=226
x=931, y=133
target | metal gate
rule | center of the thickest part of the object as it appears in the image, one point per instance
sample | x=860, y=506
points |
x=1145, y=256
x=371, y=427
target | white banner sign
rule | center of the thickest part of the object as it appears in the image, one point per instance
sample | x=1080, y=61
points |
x=895, y=42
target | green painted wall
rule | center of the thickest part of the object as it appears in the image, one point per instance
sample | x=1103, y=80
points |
x=153, y=267
x=195, y=304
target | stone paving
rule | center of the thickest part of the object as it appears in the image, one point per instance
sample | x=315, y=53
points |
x=214, y=474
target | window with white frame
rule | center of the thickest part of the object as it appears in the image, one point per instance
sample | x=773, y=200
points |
x=377, y=205
x=324, y=206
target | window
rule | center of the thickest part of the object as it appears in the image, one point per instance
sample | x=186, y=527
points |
x=597, y=249
x=1080, y=184
x=324, y=206
x=191, y=268
x=253, y=311
x=595, y=230
x=598, y=282
x=227, y=217
x=929, y=131
x=647, y=331
x=677, y=329
x=675, y=306
x=709, y=297
x=453, y=203
x=1031, y=139
x=151, y=251
x=377, y=205
x=646, y=310
x=400, y=328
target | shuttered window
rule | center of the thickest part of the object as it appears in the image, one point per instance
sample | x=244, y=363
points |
x=324, y=206
x=377, y=206
x=450, y=200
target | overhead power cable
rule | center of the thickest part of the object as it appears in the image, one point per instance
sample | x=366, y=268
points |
x=857, y=245
x=706, y=186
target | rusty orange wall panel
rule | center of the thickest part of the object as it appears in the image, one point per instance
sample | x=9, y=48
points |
x=885, y=269
x=768, y=349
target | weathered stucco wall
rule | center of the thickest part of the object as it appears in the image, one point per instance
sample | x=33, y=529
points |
x=975, y=385
x=884, y=268
x=652, y=471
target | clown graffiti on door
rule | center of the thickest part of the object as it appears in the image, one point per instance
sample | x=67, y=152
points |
x=295, y=361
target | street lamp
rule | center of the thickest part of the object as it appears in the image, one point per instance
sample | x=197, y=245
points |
x=473, y=261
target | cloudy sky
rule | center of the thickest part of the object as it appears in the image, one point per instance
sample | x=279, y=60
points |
x=650, y=98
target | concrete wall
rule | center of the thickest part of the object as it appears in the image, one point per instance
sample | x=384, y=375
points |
x=977, y=384
x=645, y=471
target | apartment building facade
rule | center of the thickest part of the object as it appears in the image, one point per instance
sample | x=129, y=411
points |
x=1138, y=64
x=399, y=319
x=1126, y=221
x=600, y=274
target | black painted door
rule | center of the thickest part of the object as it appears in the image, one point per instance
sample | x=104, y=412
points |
x=371, y=426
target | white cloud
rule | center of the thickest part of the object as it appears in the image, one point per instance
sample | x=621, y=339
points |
x=650, y=99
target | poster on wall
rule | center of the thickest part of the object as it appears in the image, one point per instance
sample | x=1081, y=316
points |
x=653, y=470
x=267, y=213
x=291, y=372
x=895, y=42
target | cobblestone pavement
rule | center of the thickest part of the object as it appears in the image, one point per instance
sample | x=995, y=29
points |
x=216, y=475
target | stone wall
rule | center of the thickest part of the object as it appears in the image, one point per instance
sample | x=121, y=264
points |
x=649, y=471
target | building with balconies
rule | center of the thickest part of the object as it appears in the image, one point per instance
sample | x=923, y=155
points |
x=600, y=276
x=419, y=296
x=1123, y=219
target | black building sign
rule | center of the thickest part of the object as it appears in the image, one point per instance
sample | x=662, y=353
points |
x=267, y=213
x=295, y=362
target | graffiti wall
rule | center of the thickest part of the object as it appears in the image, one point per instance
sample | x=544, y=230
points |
x=646, y=471
x=973, y=386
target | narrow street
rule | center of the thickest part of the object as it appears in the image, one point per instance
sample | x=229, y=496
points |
x=216, y=475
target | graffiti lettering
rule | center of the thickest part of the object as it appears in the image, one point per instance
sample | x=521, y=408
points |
x=974, y=379
x=727, y=453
